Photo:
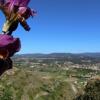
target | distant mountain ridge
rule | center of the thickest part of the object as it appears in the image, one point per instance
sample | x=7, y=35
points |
x=59, y=55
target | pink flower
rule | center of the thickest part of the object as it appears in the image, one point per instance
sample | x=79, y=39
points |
x=17, y=10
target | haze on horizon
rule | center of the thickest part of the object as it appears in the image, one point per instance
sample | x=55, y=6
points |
x=71, y=26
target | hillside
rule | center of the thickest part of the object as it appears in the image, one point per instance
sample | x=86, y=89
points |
x=47, y=78
x=24, y=84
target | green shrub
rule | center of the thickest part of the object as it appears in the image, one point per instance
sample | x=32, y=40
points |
x=7, y=94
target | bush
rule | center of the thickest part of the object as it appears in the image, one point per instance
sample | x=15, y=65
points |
x=91, y=91
x=7, y=94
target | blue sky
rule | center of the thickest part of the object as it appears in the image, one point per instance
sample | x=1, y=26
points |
x=61, y=26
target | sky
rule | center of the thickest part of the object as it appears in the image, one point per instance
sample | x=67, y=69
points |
x=71, y=26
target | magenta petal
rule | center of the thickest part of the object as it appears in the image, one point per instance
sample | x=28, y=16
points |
x=7, y=42
x=24, y=3
x=2, y=2
x=18, y=2
x=22, y=10
x=26, y=12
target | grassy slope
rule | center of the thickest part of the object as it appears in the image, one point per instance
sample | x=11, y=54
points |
x=23, y=84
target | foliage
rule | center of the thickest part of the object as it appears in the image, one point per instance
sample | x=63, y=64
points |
x=7, y=94
x=91, y=91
